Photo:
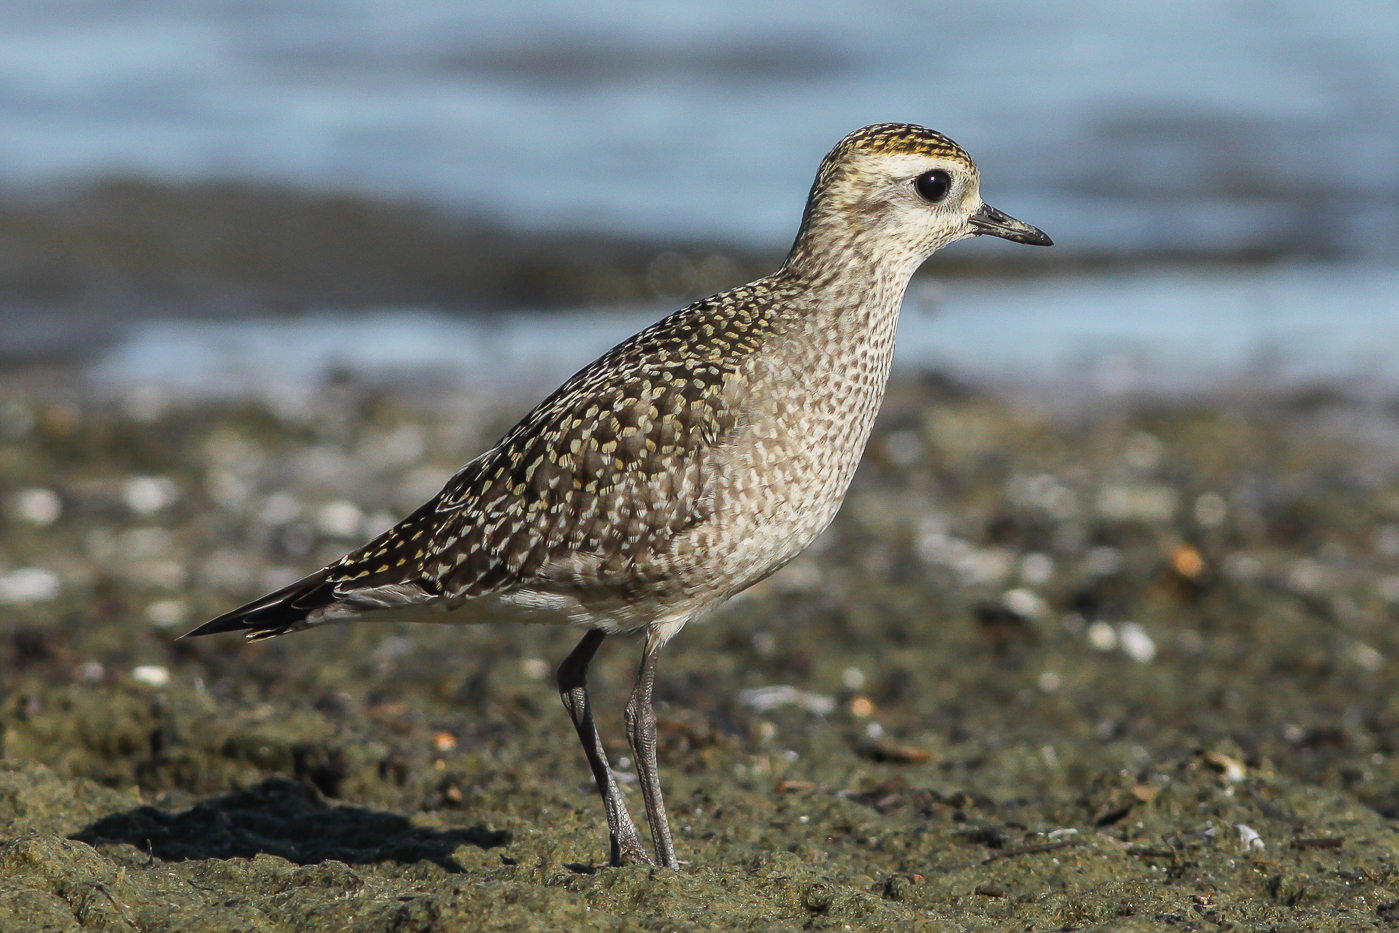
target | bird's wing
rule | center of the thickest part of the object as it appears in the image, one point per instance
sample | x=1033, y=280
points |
x=591, y=487
x=587, y=491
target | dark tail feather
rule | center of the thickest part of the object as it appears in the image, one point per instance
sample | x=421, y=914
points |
x=276, y=613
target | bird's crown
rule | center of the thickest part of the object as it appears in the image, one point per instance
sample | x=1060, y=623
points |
x=898, y=139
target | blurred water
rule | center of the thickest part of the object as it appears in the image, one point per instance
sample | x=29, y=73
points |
x=1194, y=125
x=1173, y=332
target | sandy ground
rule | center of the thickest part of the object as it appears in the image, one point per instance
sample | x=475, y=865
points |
x=1127, y=668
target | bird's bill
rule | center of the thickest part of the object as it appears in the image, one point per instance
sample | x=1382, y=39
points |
x=998, y=223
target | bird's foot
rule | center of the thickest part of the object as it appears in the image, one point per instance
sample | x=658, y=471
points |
x=634, y=853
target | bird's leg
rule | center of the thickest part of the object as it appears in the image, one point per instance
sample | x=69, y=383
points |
x=641, y=730
x=626, y=845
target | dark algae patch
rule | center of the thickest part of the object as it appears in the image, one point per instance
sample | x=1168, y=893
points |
x=1128, y=668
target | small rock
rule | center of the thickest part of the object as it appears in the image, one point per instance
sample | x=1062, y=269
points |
x=893, y=753
x=27, y=585
x=152, y=675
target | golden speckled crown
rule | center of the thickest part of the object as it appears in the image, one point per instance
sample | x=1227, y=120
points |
x=894, y=138
x=888, y=139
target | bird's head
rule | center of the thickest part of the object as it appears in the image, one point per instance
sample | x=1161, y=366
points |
x=899, y=191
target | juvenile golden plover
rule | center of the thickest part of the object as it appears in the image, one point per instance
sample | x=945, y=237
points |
x=688, y=463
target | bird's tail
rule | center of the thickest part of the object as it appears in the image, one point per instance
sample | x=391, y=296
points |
x=277, y=613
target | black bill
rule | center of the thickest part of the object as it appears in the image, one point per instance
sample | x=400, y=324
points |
x=997, y=223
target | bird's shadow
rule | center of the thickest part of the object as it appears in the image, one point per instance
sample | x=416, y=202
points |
x=288, y=819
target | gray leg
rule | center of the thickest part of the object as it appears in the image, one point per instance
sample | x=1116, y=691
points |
x=626, y=845
x=641, y=730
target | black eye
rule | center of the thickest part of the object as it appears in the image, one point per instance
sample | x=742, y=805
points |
x=933, y=186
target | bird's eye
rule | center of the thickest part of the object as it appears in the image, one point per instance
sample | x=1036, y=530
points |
x=933, y=186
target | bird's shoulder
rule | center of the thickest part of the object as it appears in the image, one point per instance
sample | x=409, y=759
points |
x=685, y=361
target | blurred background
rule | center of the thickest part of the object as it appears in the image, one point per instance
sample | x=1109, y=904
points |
x=207, y=195
x=272, y=270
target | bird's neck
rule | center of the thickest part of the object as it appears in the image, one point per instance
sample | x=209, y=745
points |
x=849, y=280
x=840, y=256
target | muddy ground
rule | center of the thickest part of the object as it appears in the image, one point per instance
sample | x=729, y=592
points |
x=1125, y=668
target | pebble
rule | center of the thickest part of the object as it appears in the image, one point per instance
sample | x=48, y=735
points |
x=763, y=699
x=152, y=675
x=28, y=585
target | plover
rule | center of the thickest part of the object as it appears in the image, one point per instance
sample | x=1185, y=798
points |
x=686, y=464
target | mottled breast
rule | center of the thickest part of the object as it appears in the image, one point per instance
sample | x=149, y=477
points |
x=816, y=390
